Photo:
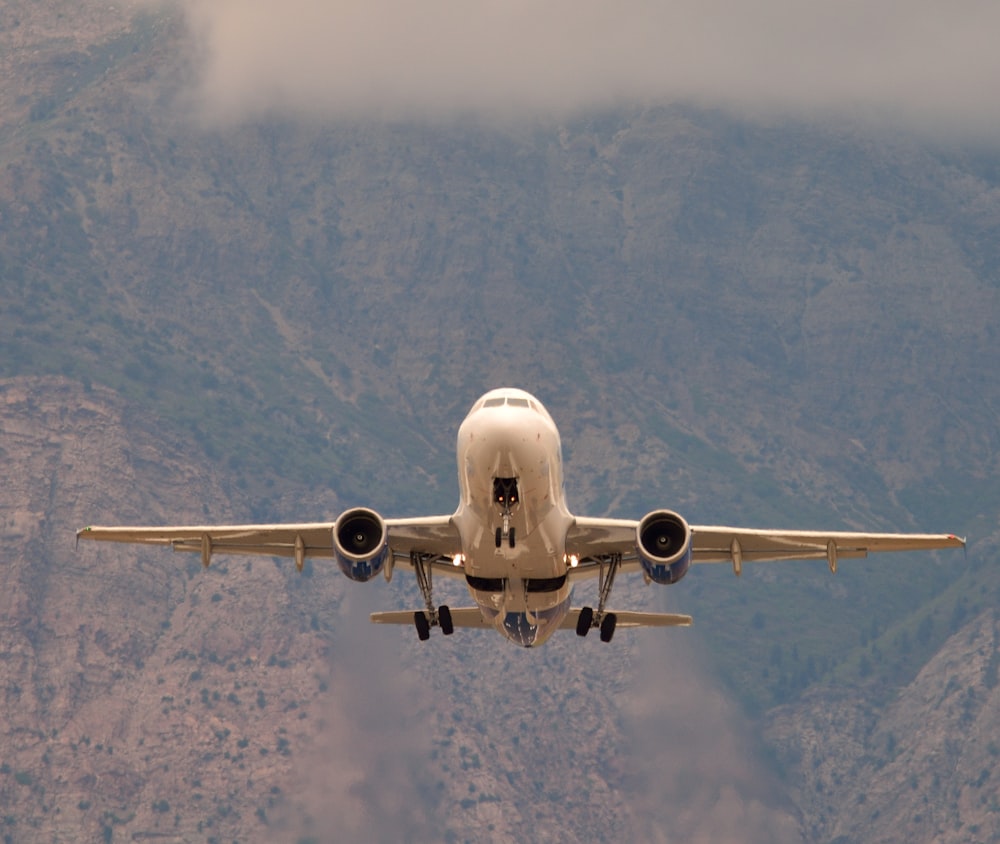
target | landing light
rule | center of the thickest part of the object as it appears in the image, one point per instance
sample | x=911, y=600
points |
x=458, y=559
x=572, y=559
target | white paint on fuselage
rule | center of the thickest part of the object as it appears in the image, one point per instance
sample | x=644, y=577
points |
x=509, y=434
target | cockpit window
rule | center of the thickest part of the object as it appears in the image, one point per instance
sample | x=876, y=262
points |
x=510, y=401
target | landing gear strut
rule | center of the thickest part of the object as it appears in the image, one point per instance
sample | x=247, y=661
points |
x=424, y=620
x=606, y=621
x=505, y=494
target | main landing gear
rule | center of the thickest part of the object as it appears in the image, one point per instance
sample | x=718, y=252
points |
x=424, y=620
x=505, y=494
x=606, y=621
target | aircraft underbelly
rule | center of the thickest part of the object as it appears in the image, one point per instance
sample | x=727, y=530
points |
x=526, y=618
x=534, y=556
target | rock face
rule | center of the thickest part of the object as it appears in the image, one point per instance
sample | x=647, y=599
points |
x=146, y=698
x=919, y=767
x=762, y=324
x=136, y=689
x=789, y=325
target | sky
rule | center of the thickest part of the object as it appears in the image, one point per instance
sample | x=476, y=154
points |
x=924, y=62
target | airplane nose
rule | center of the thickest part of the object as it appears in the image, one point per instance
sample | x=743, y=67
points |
x=519, y=630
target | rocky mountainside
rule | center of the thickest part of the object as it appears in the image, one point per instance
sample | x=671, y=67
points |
x=788, y=324
x=147, y=699
x=919, y=768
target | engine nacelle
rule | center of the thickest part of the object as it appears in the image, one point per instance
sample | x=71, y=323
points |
x=663, y=542
x=360, y=543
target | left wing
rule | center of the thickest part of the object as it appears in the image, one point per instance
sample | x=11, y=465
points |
x=592, y=540
x=715, y=544
x=434, y=537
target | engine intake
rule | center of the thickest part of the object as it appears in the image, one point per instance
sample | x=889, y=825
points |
x=360, y=543
x=663, y=542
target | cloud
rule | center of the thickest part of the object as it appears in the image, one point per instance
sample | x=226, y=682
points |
x=926, y=62
x=697, y=771
x=364, y=779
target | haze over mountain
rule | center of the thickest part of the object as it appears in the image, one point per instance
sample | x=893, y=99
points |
x=918, y=63
x=759, y=321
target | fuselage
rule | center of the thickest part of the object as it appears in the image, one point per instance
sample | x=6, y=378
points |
x=512, y=516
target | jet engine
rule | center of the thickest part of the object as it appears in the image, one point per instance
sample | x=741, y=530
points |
x=663, y=542
x=360, y=543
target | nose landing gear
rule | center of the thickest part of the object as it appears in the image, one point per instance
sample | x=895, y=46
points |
x=505, y=494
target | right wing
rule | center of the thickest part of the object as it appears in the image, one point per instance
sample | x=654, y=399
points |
x=434, y=537
x=314, y=538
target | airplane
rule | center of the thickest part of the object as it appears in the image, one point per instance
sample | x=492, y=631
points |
x=514, y=541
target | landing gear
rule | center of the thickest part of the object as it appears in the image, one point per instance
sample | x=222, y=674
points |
x=505, y=494
x=423, y=625
x=606, y=621
x=510, y=533
x=424, y=620
x=608, y=626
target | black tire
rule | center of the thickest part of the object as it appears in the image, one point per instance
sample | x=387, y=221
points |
x=423, y=626
x=512, y=537
x=444, y=619
x=608, y=626
x=584, y=621
x=499, y=537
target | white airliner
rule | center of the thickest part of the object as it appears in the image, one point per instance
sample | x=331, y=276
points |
x=514, y=541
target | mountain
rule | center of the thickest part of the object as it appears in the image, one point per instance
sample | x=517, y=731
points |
x=756, y=322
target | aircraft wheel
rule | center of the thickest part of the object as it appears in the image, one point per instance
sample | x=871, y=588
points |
x=512, y=537
x=423, y=626
x=499, y=537
x=608, y=626
x=444, y=619
x=584, y=621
